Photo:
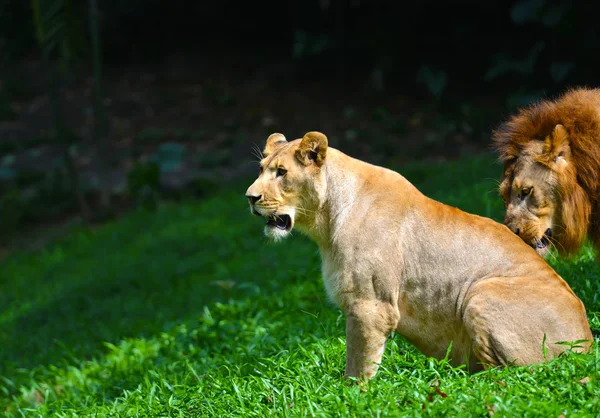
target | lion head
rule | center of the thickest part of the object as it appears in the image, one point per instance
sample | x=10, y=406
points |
x=551, y=180
x=290, y=183
x=543, y=201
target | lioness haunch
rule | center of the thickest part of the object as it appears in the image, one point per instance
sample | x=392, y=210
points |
x=395, y=260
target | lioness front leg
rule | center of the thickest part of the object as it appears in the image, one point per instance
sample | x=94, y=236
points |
x=368, y=324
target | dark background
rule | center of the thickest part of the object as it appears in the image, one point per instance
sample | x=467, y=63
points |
x=147, y=100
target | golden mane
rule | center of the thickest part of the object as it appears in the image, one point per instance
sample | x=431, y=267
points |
x=578, y=110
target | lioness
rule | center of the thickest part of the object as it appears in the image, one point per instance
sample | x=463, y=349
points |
x=395, y=260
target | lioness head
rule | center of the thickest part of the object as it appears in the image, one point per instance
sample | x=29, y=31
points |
x=290, y=183
x=544, y=203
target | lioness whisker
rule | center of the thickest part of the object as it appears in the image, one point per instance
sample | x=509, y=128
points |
x=257, y=152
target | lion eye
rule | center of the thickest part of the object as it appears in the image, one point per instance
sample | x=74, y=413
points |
x=281, y=171
x=526, y=191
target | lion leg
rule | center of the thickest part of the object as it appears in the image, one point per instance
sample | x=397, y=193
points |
x=508, y=328
x=368, y=324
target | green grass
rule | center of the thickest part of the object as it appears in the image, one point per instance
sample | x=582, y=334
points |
x=189, y=311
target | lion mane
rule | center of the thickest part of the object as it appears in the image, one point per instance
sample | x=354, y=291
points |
x=578, y=110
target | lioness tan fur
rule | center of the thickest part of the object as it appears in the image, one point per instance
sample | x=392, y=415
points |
x=396, y=260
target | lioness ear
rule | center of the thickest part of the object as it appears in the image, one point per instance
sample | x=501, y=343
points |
x=556, y=145
x=274, y=141
x=312, y=149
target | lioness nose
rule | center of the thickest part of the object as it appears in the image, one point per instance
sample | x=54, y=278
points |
x=253, y=199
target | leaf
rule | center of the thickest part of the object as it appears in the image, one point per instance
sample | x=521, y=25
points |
x=502, y=64
x=522, y=98
x=554, y=14
x=38, y=397
x=7, y=173
x=167, y=166
x=169, y=156
x=300, y=41
x=224, y=284
x=544, y=347
x=58, y=28
x=559, y=70
x=8, y=159
x=584, y=381
x=171, y=148
x=442, y=394
x=491, y=410
x=435, y=82
x=526, y=11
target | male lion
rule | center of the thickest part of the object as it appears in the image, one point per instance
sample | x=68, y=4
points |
x=395, y=260
x=551, y=179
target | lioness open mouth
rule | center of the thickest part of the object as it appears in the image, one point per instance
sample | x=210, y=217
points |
x=283, y=222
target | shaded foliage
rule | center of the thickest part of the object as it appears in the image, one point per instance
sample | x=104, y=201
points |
x=443, y=60
x=474, y=43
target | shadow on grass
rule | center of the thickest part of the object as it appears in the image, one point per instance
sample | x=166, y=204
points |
x=136, y=277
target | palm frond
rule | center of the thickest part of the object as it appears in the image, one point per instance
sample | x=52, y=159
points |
x=59, y=31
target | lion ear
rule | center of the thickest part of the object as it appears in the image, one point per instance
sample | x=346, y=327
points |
x=274, y=141
x=556, y=145
x=312, y=149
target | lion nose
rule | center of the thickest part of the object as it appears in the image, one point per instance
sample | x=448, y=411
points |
x=253, y=199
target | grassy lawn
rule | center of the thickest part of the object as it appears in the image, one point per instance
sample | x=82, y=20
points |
x=189, y=311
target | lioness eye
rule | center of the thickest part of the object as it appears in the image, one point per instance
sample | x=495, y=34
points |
x=281, y=171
